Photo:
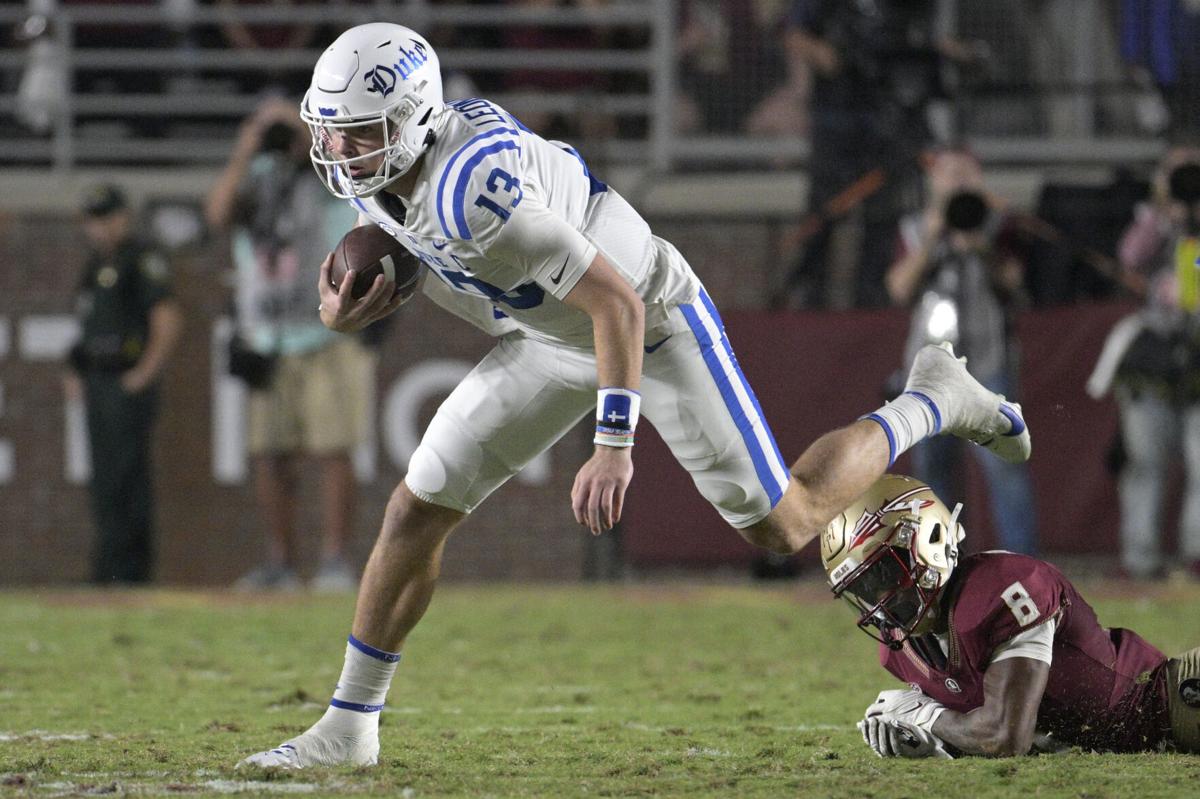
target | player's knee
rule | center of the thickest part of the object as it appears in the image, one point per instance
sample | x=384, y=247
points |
x=412, y=518
x=768, y=534
x=789, y=526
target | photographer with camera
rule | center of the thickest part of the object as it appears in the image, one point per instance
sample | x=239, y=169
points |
x=309, y=387
x=876, y=67
x=1151, y=361
x=960, y=268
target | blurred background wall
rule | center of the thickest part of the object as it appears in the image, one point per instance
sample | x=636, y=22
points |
x=701, y=113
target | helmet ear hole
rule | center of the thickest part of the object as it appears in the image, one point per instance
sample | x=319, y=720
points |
x=425, y=116
x=935, y=537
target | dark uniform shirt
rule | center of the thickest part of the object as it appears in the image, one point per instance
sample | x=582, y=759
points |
x=115, y=298
x=1107, y=687
x=873, y=41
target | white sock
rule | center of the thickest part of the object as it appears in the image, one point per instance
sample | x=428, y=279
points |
x=907, y=420
x=361, y=690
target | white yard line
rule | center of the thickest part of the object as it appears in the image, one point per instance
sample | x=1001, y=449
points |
x=43, y=735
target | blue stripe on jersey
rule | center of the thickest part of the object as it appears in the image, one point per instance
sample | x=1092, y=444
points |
x=457, y=202
x=712, y=309
x=597, y=186
x=741, y=420
x=450, y=166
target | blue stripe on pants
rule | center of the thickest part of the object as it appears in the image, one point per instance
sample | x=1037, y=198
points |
x=743, y=421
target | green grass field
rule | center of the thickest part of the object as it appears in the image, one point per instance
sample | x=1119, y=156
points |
x=673, y=690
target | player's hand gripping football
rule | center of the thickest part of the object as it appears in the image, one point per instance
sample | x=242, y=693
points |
x=341, y=312
x=599, y=491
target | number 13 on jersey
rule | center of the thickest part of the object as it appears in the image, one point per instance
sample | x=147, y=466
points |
x=503, y=194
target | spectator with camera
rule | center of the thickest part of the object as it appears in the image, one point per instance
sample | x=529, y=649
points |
x=309, y=387
x=1152, y=363
x=960, y=268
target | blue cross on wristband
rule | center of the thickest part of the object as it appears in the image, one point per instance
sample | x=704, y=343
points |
x=618, y=409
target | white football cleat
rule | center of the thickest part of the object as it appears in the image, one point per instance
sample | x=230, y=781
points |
x=964, y=407
x=315, y=749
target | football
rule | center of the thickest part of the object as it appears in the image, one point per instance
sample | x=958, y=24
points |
x=370, y=251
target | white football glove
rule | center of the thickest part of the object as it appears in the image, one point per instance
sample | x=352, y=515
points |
x=911, y=706
x=899, y=723
x=901, y=739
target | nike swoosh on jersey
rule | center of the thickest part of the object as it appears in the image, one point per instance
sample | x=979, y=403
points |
x=650, y=350
x=557, y=278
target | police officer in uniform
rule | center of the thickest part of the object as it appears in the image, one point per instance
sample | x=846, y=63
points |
x=129, y=324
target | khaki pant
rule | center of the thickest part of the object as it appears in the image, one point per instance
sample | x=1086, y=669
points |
x=317, y=402
x=1183, y=700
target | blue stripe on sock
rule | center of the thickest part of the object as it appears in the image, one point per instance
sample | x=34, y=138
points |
x=1014, y=418
x=937, y=415
x=356, y=707
x=887, y=430
x=378, y=654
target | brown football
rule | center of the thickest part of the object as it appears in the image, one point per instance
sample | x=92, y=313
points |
x=371, y=251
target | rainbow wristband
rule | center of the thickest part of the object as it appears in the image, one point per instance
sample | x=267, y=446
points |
x=612, y=437
x=617, y=411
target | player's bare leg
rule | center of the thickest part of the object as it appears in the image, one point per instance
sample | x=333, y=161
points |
x=398, y=582
x=939, y=396
x=832, y=472
x=396, y=589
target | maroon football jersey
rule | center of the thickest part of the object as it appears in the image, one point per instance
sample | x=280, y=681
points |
x=1106, y=689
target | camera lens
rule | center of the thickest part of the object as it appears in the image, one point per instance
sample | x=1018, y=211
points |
x=1184, y=183
x=966, y=211
x=278, y=138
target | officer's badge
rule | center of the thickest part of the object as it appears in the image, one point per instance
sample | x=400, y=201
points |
x=106, y=278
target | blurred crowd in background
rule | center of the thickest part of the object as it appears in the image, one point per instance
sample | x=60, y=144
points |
x=886, y=94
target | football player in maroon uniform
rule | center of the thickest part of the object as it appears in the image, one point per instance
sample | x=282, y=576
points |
x=998, y=649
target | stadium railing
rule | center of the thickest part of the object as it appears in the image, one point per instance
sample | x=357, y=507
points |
x=193, y=79
x=189, y=115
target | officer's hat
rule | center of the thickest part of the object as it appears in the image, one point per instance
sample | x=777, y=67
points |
x=103, y=200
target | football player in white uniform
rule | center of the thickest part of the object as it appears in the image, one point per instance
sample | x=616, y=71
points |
x=594, y=312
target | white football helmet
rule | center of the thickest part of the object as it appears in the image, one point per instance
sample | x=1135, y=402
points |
x=374, y=74
x=890, y=554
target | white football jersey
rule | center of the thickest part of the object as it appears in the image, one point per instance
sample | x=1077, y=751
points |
x=509, y=222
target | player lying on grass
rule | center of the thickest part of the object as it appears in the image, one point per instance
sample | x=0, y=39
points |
x=997, y=648
x=595, y=315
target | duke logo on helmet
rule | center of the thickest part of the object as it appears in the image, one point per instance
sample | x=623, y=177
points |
x=381, y=80
x=410, y=60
